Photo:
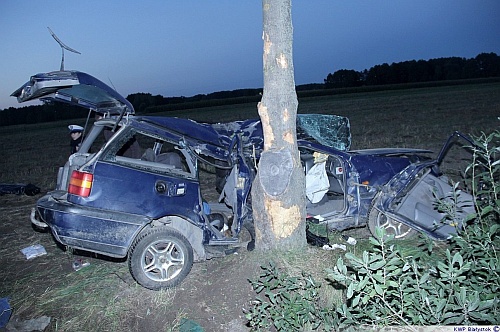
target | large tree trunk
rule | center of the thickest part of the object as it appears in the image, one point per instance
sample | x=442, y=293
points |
x=278, y=192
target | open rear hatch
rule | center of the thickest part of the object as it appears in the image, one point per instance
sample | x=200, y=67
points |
x=75, y=88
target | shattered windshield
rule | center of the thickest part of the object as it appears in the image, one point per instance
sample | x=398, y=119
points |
x=330, y=130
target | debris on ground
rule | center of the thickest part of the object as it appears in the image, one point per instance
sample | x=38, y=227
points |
x=79, y=264
x=19, y=189
x=352, y=241
x=34, y=251
x=316, y=240
x=5, y=311
x=35, y=324
x=334, y=246
x=189, y=325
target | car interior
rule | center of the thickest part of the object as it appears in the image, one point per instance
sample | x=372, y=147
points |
x=333, y=201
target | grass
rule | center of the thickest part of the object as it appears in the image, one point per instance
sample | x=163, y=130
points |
x=100, y=297
x=104, y=297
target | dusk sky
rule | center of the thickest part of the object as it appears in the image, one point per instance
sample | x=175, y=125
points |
x=189, y=47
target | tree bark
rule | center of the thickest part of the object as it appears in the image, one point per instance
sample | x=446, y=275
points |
x=278, y=192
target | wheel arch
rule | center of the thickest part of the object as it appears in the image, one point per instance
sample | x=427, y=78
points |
x=376, y=211
x=190, y=231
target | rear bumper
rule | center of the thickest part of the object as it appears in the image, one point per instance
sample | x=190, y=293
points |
x=100, y=231
x=35, y=220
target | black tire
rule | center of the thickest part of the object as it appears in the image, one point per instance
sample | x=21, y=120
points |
x=391, y=226
x=160, y=258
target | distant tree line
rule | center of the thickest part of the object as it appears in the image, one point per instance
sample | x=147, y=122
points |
x=143, y=101
x=442, y=69
x=398, y=75
x=40, y=113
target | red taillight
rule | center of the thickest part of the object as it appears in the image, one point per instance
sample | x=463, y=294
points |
x=80, y=183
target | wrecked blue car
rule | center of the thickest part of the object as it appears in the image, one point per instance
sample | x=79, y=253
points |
x=133, y=189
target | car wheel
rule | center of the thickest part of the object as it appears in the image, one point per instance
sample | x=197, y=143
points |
x=160, y=258
x=391, y=226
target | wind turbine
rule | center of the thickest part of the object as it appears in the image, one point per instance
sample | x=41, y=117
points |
x=63, y=46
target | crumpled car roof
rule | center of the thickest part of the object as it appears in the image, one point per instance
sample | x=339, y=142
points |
x=329, y=130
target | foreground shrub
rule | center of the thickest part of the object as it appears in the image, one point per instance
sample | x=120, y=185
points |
x=484, y=172
x=386, y=288
x=391, y=285
x=285, y=303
